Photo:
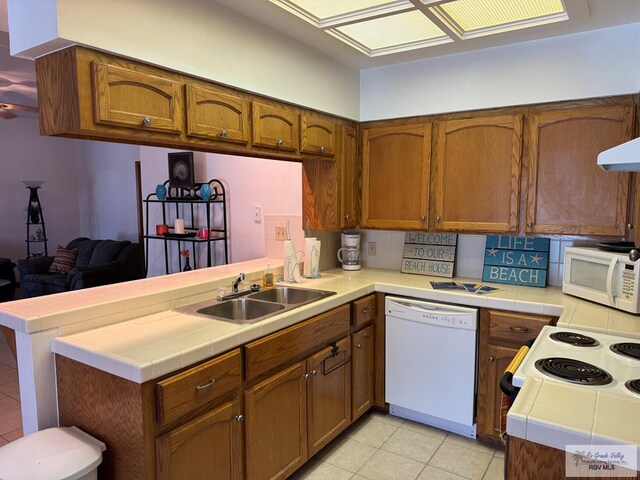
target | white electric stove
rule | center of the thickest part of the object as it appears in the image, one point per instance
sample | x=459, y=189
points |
x=589, y=359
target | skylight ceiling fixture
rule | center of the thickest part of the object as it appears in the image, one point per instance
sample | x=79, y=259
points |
x=381, y=27
x=473, y=18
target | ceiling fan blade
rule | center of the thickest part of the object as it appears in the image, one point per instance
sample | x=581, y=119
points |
x=7, y=115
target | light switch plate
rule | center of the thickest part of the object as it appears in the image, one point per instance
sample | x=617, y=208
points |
x=257, y=214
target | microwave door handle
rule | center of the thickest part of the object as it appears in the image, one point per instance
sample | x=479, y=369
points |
x=612, y=268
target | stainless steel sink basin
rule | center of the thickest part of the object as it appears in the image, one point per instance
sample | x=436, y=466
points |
x=290, y=295
x=256, y=306
x=241, y=310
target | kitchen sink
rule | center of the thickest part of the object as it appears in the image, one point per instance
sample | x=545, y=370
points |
x=290, y=295
x=255, y=306
x=242, y=310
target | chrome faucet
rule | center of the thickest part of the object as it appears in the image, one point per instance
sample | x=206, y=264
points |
x=236, y=283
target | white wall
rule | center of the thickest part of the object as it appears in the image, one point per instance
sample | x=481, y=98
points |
x=28, y=156
x=590, y=64
x=107, y=190
x=274, y=185
x=197, y=37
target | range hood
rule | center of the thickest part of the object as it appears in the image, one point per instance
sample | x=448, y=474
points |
x=623, y=158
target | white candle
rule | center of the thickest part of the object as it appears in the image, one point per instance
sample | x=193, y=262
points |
x=178, y=226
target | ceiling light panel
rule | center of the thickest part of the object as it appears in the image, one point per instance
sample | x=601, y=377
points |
x=320, y=11
x=476, y=15
x=395, y=32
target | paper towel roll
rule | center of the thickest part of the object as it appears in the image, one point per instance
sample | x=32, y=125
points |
x=291, y=267
x=312, y=257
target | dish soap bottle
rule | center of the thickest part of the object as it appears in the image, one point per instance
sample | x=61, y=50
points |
x=267, y=278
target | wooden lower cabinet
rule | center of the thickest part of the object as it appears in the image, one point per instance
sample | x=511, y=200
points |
x=276, y=426
x=501, y=334
x=291, y=415
x=205, y=448
x=361, y=372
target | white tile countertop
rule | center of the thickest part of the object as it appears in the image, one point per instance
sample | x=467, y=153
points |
x=132, y=331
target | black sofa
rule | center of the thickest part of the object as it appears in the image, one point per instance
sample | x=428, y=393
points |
x=99, y=262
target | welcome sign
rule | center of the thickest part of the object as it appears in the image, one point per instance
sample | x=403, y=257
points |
x=429, y=254
x=516, y=260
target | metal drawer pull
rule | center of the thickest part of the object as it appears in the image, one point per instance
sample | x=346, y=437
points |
x=280, y=143
x=519, y=329
x=224, y=133
x=305, y=376
x=358, y=346
x=321, y=149
x=492, y=359
x=239, y=418
x=146, y=121
x=206, y=385
x=366, y=310
x=314, y=372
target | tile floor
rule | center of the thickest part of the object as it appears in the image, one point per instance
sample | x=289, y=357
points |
x=10, y=417
x=382, y=447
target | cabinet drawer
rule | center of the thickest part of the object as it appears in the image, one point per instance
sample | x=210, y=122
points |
x=515, y=329
x=295, y=342
x=193, y=388
x=363, y=310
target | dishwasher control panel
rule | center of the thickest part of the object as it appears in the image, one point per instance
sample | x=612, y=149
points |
x=450, y=316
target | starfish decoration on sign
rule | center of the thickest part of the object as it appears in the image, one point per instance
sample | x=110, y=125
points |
x=493, y=252
x=536, y=259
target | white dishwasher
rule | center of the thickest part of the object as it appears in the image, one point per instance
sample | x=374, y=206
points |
x=430, y=363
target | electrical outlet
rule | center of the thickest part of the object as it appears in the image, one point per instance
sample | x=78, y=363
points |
x=257, y=214
x=281, y=233
x=372, y=246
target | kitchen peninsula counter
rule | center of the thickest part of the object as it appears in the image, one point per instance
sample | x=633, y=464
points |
x=132, y=331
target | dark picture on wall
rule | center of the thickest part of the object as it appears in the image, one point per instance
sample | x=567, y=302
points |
x=181, y=170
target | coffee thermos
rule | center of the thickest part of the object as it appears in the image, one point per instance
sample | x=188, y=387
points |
x=349, y=254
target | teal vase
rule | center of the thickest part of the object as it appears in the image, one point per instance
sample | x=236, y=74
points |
x=161, y=192
x=205, y=191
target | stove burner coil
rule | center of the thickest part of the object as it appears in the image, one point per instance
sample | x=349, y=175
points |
x=575, y=339
x=573, y=371
x=633, y=385
x=628, y=349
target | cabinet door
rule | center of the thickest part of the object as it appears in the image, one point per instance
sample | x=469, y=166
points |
x=318, y=135
x=493, y=361
x=275, y=426
x=135, y=99
x=274, y=127
x=208, y=447
x=329, y=394
x=217, y=115
x=349, y=178
x=395, y=186
x=361, y=372
x=567, y=192
x=476, y=174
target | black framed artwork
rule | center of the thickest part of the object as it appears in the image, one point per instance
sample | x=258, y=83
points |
x=181, y=170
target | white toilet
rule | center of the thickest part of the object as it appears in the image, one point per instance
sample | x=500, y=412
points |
x=65, y=453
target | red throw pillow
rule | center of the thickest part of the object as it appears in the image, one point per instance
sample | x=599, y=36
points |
x=64, y=260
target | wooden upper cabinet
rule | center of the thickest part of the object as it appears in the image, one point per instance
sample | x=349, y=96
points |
x=318, y=135
x=395, y=176
x=349, y=178
x=567, y=192
x=274, y=126
x=476, y=174
x=216, y=115
x=136, y=99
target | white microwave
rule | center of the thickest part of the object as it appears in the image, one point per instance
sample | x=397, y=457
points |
x=603, y=277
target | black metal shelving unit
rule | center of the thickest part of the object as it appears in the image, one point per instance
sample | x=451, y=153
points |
x=190, y=201
x=35, y=218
